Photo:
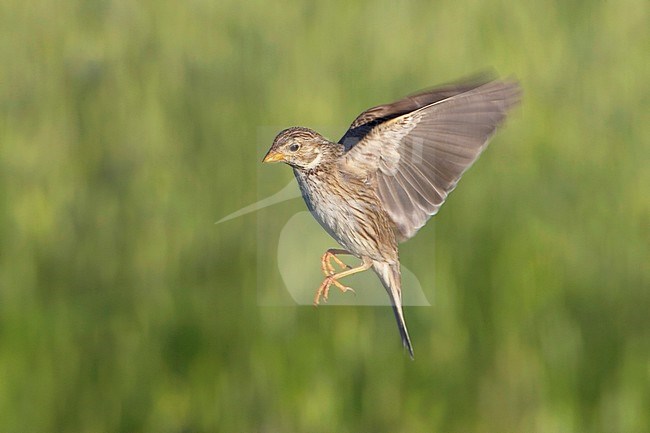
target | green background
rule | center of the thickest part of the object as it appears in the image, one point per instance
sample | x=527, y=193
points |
x=128, y=128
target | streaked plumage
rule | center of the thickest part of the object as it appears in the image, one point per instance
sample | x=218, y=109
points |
x=392, y=171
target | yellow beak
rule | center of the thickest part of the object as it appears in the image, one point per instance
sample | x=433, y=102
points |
x=273, y=156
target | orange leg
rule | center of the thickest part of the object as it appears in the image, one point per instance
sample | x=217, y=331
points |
x=326, y=265
x=330, y=279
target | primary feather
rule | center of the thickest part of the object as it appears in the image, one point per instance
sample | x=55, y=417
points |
x=418, y=157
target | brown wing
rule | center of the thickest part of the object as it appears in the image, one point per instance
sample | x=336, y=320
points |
x=382, y=113
x=419, y=157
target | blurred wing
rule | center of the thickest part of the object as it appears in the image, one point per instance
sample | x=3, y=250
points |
x=372, y=117
x=419, y=157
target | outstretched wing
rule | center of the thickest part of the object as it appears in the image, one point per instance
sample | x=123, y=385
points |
x=418, y=157
x=374, y=116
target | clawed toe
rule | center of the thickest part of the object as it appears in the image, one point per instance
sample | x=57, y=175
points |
x=343, y=288
x=323, y=290
x=332, y=278
x=326, y=262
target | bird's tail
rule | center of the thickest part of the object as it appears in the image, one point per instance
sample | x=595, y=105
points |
x=391, y=279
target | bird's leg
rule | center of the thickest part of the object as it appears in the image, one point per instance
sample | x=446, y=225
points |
x=326, y=265
x=324, y=288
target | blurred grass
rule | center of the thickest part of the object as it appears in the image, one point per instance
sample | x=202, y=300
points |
x=128, y=128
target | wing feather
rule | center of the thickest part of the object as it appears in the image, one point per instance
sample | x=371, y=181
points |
x=418, y=157
x=372, y=117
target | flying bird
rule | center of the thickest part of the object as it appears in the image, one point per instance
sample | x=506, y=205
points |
x=390, y=172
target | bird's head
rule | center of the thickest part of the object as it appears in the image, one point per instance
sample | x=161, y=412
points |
x=301, y=148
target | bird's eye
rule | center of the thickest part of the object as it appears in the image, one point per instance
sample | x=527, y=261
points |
x=294, y=147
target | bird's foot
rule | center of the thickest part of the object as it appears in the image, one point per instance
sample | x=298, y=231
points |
x=326, y=262
x=323, y=290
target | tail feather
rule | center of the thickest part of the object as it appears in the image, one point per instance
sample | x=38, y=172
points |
x=391, y=279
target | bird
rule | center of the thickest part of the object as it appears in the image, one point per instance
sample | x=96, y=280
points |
x=390, y=172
